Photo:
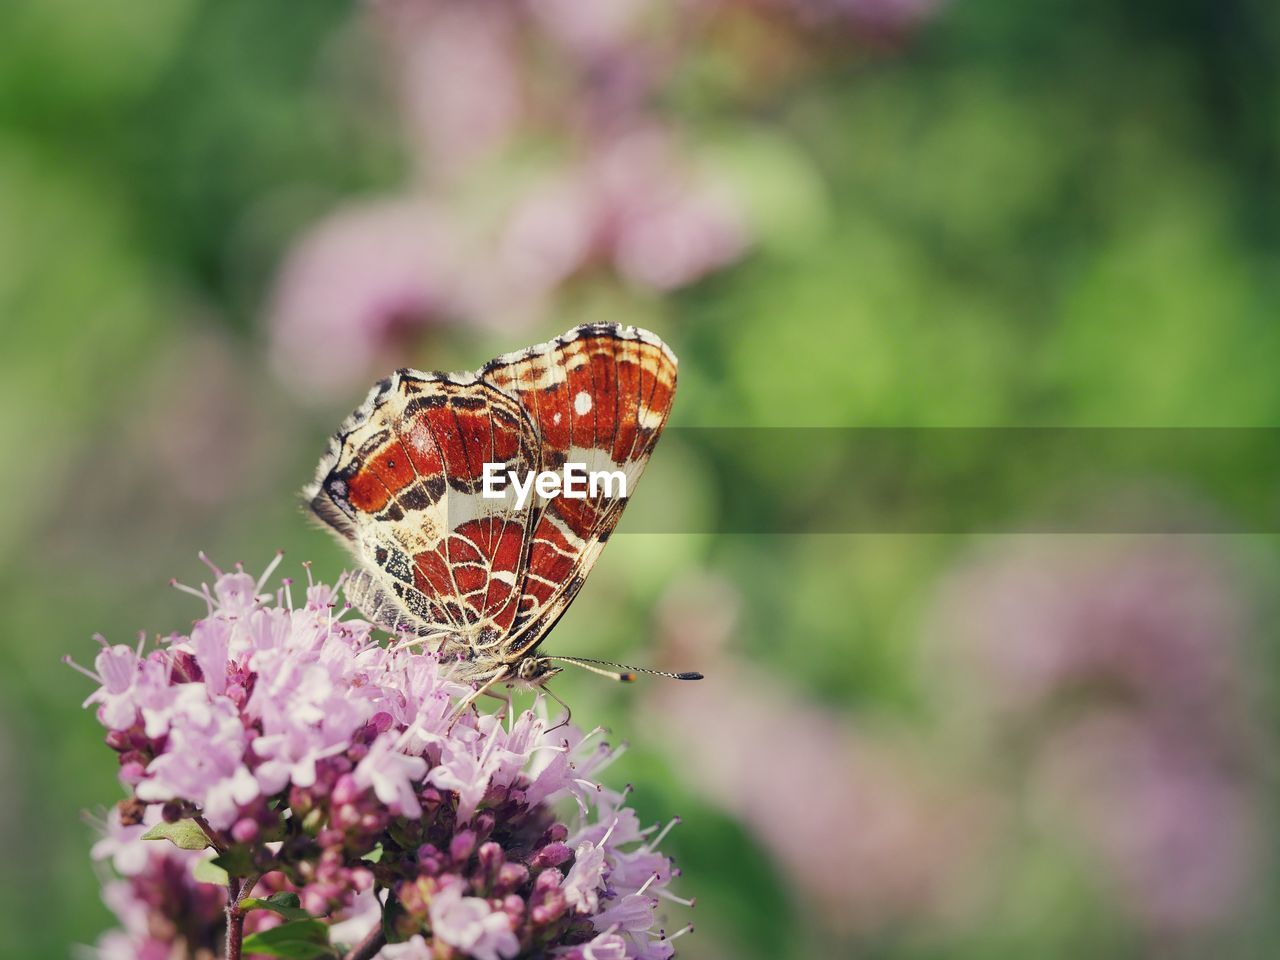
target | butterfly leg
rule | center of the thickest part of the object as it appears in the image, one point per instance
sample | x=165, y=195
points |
x=425, y=642
x=475, y=694
x=408, y=644
x=506, y=699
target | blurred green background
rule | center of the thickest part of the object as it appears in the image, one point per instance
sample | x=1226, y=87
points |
x=220, y=221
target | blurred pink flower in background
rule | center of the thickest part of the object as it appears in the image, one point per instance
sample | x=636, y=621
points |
x=1093, y=691
x=857, y=822
x=458, y=72
x=544, y=147
x=665, y=228
x=590, y=29
x=357, y=287
x=634, y=204
x=1175, y=828
x=853, y=817
x=1114, y=670
x=1153, y=624
x=188, y=438
x=162, y=910
x=548, y=140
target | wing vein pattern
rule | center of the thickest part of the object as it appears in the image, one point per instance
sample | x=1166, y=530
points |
x=401, y=485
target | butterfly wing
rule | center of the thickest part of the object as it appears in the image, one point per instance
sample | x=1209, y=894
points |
x=401, y=483
x=599, y=395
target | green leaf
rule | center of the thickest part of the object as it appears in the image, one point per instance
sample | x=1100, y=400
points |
x=374, y=855
x=186, y=834
x=237, y=861
x=274, y=832
x=286, y=898
x=391, y=912
x=293, y=949
x=298, y=940
x=405, y=832
x=285, y=904
x=206, y=871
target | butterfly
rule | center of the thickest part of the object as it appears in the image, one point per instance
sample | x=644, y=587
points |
x=482, y=579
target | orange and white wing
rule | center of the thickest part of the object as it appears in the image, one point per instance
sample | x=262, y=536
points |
x=401, y=483
x=599, y=395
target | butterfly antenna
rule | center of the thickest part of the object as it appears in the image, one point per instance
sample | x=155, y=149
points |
x=622, y=673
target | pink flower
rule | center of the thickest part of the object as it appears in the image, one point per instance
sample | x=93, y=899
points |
x=236, y=593
x=356, y=287
x=636, y=203
x=161, y=909
x=470, y=766
x=605, y=946
x=1118, y=664
x=666, y=224
x=789, y=770
x=471, y=925
x=210, y=641
x=589, y=30
x=391, y=774
x=459, y=75
x=203, y=758
x=117, y=671
x=587, y=875
x=288, y=722
x=1174, y=826
x=123, y=845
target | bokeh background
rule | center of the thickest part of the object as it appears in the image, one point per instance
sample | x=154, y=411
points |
x=220, y=220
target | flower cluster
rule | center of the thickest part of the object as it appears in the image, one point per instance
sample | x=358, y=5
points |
x=326, y=767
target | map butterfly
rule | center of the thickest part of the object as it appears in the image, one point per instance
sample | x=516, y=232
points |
x=478, y=579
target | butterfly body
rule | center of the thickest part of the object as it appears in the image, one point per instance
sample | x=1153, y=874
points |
x=478, y=578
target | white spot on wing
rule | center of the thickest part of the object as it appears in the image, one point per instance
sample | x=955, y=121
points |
x=582, y=403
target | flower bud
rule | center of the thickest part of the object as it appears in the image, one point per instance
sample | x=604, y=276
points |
x=461, y=846
x=552, y=855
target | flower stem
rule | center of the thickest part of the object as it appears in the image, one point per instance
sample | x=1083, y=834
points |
x=370, y=946
x=235, y=919
x=237, y=890
x=215, y=838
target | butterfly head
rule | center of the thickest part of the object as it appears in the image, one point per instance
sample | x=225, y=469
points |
x=536, y=670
